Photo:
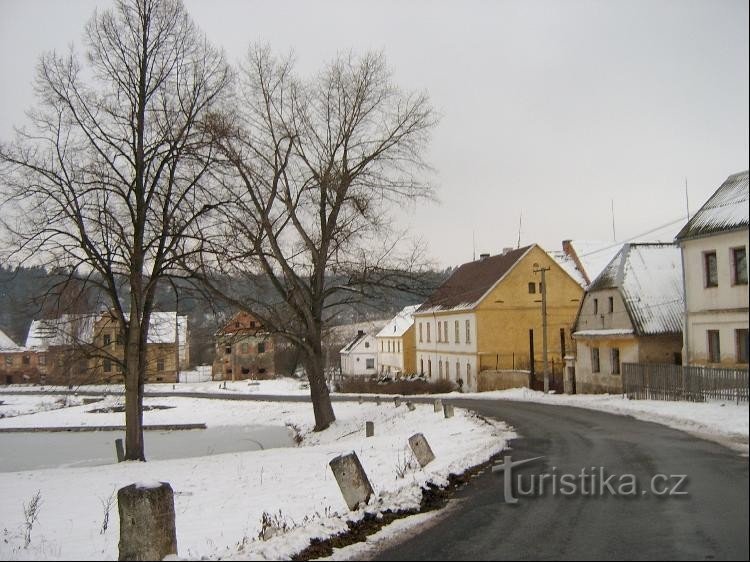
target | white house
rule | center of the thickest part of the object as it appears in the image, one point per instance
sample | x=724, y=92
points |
x=359, y=356
x=714, y=259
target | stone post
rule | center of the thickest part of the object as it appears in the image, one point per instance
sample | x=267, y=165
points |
x=397, y=401
x=570, y=374
x=448, y=410
x=119, y=450
x=369, y=429
x=411, y=406
x=438, y=405
x=421, y=449
x=352, y=480
x=147, y=527
x=378, y=401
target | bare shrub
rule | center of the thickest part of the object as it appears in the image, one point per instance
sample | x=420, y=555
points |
x=30, y=515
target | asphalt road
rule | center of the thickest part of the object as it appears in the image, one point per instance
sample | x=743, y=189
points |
x=709, y=522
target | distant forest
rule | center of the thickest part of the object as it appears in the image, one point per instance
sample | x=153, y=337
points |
x=25, y=296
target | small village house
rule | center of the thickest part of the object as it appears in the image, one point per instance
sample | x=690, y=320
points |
x=359, y=357
x=244, y=350
x=714, y=258
x=487, y=319
x=397, y=345
x=632, y=312
x=17, y=365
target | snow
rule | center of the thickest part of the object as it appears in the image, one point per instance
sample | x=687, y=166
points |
x=726, y=209
x=7, y=344
x=594, y=256
x=400, y=323
x=722, y=421
x=608, y=332
x=221, y=500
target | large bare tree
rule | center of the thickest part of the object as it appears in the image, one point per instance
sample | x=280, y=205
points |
x=109, y=178
x=316, y=166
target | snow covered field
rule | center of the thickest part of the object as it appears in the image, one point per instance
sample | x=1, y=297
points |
x=221, y=500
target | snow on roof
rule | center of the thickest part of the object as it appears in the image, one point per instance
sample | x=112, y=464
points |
x=400, y=323
x=569, y=266
x=593, y=256
x=7, y=344
x=649, y=278
x=726, y=209
x=68, y=329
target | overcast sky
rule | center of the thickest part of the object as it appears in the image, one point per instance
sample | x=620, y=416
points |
x=551, y=110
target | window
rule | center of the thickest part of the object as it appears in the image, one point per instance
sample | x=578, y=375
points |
x=228, y=349
x=262, y=347
x=594, y=359
x=532, y=288
x=458, y=369
x=370, y=363
x=367, y=344
x=8, y=361
x=468, y=373
x=253, y=324
x=107, y=366
x=428, y=333
x=399, y=346
x=439, y=331
x=429, y=368
x=711, y=274
x=447, y=370
x=614, y=360
x=389, y=346
x=739, y=266
x=26, y=360
x=440, y=369
x=714, y=346
x=421, y=366
x=160, y=365
x=107, y=339
x=245, y=348
x=42, y=359
x=457, y=330
x=742, y=343
x=468, y=331
x=596, y=306
x=420, y=332
x=445, y=331
x=611, y=304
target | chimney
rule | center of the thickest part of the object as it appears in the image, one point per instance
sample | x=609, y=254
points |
x=483, y=256
x=360, y=332
x=566, y=247
x=506, y=250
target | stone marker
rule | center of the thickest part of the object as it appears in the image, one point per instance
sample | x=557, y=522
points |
x=147, y=528
x=352, y=480
x=411, y=406
x=360, y=399
x=369, y=429
x=448, y=410
x=397, y=401
x=377, y=400
x=438, y=405
x=120, y=450
x=421, y=449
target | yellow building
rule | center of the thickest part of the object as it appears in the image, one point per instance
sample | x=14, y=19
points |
x=396, y=345
x=487, y=317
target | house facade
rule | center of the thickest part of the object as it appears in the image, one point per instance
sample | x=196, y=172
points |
x=487, y=317
x=88, y=349
x=396, y=345
x=244, y=350
x=714, y=246
x=631, y=313
x=359, y=357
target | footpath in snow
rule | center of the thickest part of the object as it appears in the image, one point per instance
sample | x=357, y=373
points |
x=252, y=505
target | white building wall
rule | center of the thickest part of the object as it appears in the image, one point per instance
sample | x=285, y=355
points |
x=451, y=350
x=723, y=308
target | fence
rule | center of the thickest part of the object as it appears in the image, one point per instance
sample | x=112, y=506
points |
x=691, y=383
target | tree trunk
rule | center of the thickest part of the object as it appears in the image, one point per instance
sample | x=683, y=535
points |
x=321, y=399
x=134, y=449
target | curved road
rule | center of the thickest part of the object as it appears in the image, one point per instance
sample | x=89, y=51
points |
x=710, y=522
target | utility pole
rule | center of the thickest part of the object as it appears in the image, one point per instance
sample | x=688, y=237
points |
x=543, y=270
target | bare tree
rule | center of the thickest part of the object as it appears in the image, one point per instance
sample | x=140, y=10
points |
x=316, y=165
x=110, y=178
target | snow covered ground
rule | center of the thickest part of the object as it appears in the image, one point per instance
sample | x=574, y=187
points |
x=723, y=421
x=221, y=500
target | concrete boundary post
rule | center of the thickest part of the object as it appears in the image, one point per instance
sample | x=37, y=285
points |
x=438, y=405
x=448, y=410
x=397, y=401
x=147, y=523
x=369, y=429
x=421, y=449
x=352, y=480
x=411, y=406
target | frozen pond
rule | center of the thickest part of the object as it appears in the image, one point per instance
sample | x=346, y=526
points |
x=35, y=450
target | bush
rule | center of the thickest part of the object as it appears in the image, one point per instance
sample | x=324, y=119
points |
x=404, y=387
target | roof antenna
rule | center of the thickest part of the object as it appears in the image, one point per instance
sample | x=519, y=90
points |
x=614, y=236
x=473, y=246
x=520, y=222
x=687, y=202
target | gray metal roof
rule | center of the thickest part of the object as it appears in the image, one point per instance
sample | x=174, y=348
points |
x=726, y=209
x=649, y=278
